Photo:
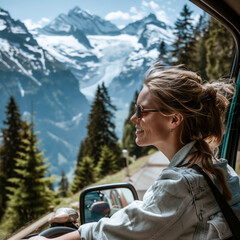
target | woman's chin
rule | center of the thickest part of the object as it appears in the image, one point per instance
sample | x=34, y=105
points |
x=141, y=143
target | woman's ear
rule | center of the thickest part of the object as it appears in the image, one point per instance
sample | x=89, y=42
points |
x=177, y=119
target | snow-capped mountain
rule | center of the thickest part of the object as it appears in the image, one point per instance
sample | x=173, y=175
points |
x=88, y=23
x=60, y=65
x=40, y=83
x=136, y=27
x=118, y=60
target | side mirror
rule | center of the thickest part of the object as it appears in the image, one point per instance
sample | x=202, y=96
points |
x=104, y=200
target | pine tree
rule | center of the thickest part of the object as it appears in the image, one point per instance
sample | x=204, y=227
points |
x=31, y=197
x=80, y=152
x=220, y=50
x=107, y=163
x=63, y=185
x=101, y=129
x=201, y=34
x=9, y=149
x=85, y=174
x=162, y=57
x=53, y=179
x=183, y=45
x=75, y=186
x=162, y=48
x=2, y=186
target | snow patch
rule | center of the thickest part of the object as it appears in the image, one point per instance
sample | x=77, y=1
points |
x=63, y=27
x=4, y=45
x=20, y=88
x=3, y=13
x=10, y=51
x=18, y=30
x=113, y=52
x=2, y=25
x=61, y=47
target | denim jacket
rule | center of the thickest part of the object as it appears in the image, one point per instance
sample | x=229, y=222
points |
x=179, y=205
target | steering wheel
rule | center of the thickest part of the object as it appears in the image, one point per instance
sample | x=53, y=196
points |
x=53, y=232
x=56, y=232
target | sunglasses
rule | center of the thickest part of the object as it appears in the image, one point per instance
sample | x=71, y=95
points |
x=139, y=110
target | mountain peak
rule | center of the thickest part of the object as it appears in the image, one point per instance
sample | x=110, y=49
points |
x=78, y=11
x=151, y=16
x=138, y=26
x=14, y=30
x=3, y=12
x=84, y=21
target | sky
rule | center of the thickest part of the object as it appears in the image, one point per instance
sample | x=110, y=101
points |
x=38, y=13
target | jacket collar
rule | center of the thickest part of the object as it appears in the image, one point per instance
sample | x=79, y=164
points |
x=180, y=158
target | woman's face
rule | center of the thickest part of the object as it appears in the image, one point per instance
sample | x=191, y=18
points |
x=153, y=128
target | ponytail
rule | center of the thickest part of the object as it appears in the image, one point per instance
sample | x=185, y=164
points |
x=203, y=157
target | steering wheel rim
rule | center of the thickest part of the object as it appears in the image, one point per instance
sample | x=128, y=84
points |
x=56, y=232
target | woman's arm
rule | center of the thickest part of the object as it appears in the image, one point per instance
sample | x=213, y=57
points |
x=69, y=236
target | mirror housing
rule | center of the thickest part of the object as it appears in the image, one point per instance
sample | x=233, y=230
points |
x=103, y=200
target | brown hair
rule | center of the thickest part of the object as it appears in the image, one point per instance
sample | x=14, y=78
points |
x=203, y=109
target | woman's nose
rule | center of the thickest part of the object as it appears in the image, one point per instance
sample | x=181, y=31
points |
x=134, y=118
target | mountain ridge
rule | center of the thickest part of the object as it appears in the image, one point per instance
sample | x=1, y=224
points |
x=35, y=78
x=85, y=22
x=62, y=53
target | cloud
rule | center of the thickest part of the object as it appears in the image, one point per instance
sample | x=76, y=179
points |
x=33, y=25
x=133, y=10
x=117, y=15
x=135, y=13
x=146, y=8
x=162, y=16
x=152, y=5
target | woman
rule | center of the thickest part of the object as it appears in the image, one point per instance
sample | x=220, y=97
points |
x=184, y=120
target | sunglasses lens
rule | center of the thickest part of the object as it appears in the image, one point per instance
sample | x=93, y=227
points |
x=138, y=111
